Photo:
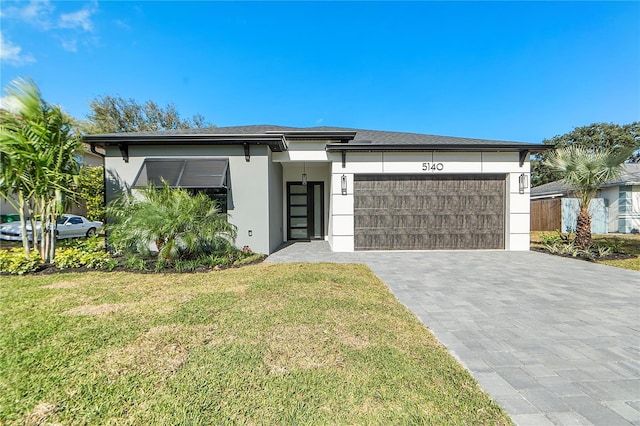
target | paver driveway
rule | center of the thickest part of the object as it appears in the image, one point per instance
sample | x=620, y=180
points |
x=553, y=340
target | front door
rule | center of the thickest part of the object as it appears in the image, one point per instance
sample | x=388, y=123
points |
x=305, y=207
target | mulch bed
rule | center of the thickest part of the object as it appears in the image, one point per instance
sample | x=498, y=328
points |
x=611, y=256
x=49, y=269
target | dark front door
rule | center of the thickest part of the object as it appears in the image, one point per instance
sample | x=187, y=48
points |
x=305, y=207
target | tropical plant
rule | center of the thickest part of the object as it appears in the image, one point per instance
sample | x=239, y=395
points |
x=584, y=171
x=182, y=226
x=37, y=154
x=91, y=191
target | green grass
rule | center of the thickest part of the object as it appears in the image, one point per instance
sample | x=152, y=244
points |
x=630, y=246
x=263, y=344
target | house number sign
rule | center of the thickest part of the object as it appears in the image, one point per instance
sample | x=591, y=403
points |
x=432, y=167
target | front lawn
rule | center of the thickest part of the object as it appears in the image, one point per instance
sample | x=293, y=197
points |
x=263, y=344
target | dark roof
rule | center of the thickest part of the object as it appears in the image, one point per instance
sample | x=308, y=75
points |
x=358, y=139
x=629, y=176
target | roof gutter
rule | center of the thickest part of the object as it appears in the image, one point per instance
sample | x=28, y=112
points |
x=498, y=147
x=93, y=150
x=276, y=142
x=523, y=149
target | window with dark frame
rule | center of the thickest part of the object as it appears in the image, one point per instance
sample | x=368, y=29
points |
x=196, y=175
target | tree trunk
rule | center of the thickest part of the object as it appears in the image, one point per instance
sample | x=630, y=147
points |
x=32, y=209
x=23, y=226
x=583, y=230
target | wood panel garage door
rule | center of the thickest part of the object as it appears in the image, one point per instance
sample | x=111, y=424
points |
x=419, y=212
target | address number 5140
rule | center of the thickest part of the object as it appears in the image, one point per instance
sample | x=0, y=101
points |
x=432, y=167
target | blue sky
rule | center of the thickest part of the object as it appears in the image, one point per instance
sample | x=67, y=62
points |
x=498, y=70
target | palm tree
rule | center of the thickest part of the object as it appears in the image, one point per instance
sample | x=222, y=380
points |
x=37, y=150
x=180, y=224
x=584, y=172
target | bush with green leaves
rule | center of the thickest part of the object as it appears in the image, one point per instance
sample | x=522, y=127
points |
x=180, y=225
x=16, y=262
x=91, y=191
x=74, y=257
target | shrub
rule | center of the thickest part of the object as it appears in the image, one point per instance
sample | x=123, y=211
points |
x=614, y=246
x=76, y=257
x=137, y=263
x=182, y=226
x=15, y=262
x=253, y=257
x=550, y=239
x=68, y=258
x=91, y=190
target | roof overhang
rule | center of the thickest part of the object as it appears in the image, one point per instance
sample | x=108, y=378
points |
x=329, y=135
x=550, y=195
x=522, y=149
x=276, y=142
x=498, y=147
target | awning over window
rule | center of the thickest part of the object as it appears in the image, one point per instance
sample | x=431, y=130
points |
x=185, y=173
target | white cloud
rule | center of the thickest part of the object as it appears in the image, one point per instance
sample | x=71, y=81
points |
x=70, y=45
x=43, y=15
x=12, y=54
x=37, y=13
x=120, y=23
x=78, y=19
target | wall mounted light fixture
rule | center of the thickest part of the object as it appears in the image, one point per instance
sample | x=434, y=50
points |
x=523, y=182
x=343, y=184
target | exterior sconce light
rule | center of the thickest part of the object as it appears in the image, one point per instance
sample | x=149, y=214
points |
x=523, y=181
x=304, y=173
x=343, y=184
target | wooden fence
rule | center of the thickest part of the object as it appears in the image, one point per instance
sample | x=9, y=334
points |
x=546, y=215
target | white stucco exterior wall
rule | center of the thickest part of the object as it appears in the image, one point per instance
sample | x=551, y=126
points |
x=249, y=188
x=517, y=226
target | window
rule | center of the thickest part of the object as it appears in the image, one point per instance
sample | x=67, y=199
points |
x=219, y=195
x=196, y=175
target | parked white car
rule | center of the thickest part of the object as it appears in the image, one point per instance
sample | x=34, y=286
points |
x=67, y=226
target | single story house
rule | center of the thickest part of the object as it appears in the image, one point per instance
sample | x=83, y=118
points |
x=615, y=208
x=357, y=189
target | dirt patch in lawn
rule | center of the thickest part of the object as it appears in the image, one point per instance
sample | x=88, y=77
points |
x=62, y=284
x=163, y=349
x=40, y=413
x=159, y=350
x=302, y=348
x=106, y=308
x=352, y=340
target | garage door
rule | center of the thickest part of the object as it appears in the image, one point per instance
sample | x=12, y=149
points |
x=418, y=212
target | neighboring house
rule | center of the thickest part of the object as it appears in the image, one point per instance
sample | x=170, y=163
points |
x=357, y=189
x=616, y=207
